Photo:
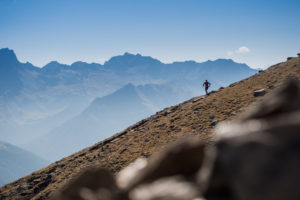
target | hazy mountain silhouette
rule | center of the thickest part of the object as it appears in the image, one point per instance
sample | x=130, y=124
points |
x=35, y=102
x=16, y=163
x=103, y=117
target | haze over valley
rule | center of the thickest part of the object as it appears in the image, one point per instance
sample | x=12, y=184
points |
x=59, y=109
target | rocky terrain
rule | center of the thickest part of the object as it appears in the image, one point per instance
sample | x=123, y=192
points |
x=253, y=157
x=195, y=117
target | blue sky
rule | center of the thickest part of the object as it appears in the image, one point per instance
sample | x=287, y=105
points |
x=256, y=32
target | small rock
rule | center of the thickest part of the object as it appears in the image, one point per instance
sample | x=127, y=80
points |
x=145, y=154
x=123, y=151
x=260, y=92
x=228, y=113
x=24, y=194
x=211, y=117
x=166, y=113
x=289, y=58
x=215, y=122
x=271, y=87
x=197, y=112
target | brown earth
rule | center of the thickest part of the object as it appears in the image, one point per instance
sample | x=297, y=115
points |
x=191, y=118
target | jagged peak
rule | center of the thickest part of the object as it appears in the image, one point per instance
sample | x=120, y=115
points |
x=223, y=63
x=126, y=89
x=8, y=56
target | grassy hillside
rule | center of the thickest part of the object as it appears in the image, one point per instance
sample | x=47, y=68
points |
x=193, y=117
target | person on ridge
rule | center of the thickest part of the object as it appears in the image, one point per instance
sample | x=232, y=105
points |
x=206, y=84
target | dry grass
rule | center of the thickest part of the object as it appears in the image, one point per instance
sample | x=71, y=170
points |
x=190, y=118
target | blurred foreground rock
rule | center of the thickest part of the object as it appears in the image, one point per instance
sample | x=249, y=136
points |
x=184, y=157
x=257, y=157
x=92, y=184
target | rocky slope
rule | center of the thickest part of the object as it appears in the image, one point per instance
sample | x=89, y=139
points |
x=194, y=117
x=253, y=157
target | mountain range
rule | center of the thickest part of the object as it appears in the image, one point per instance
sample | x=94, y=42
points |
x=41, y=109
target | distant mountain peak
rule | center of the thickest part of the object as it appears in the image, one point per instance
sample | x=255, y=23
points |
x=131, y=59
x=126, y=93
x=127, y=89
x=78, y=63
x=219, y=60
x=192, y=62
x=8, y=56
x=224, y=60
x=128, y=54
x=134, y=55
x=83, y=65
x=54, y=65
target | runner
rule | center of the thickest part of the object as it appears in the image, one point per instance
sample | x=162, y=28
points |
x=206, y=84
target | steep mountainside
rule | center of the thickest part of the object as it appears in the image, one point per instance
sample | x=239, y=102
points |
x=16, y=162
x=193, y=117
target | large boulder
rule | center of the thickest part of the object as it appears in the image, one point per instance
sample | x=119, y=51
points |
x=91, y=184
x=181, y=158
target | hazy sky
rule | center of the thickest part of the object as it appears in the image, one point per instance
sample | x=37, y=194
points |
x=256, y=32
